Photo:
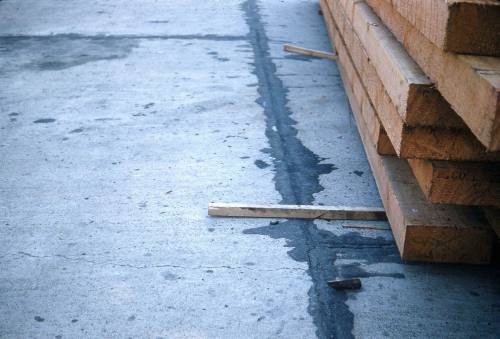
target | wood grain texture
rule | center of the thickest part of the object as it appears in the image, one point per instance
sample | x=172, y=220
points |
x=428, y=142
x=454, y=182
x=408, y=88
x=471, y=84
x=468, y=27
x=296, y=211
x=309, y=52
x=423, y=231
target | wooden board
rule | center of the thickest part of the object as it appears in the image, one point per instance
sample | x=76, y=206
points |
x=471, y=84
x=404, y=83
x=296, y=211
x=460, y=26
x=428, y=142
x=309, y=52
x=462, y=183
x=423, y=231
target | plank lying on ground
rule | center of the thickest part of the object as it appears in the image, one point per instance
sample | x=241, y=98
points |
x=309, y=52
x=469, y=27
x=412, y=93
x=423, y=231
x=409, y=142
x=455, y=182
x=296, y=211
x=471, y=84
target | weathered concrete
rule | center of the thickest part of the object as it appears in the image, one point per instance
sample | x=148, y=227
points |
x=120, y=121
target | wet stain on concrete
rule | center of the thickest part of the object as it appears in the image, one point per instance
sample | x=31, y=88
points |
x=261, y=164
x=216, y=56
x=44, y=121
x=59, y=52
x=297, y=179
x=76, y=130
x=298, y=57
x=169, y=276
x=358, y=173
x=39, y=319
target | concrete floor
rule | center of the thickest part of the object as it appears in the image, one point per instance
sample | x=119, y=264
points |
x=121, y=120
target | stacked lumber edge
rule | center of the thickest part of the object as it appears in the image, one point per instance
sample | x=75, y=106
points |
x=423, y=81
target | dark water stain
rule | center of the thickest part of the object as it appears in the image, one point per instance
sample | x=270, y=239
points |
x=149, y=105
x=44, y=121
x=299, y=57
x=358, y=173
x=76, y=130
x=169, y=276
x=261, y=164
x=131, y=318
x=216, y=56
x=39, y=319
x=74, y=320
x=159, y=22
x=297, y=179
x=59, y=52
x=13, y=114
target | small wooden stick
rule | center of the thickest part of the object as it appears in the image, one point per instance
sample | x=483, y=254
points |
x=296, y=211
x=309, y=52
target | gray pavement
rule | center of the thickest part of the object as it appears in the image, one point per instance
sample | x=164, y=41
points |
x=121, y=120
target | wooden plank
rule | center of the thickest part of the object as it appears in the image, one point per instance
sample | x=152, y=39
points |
x=423, y=231
x=404, y=83
x=471, y=84
x=428, y=142
x=460, y=26
x=455, y=182
x=296, y=211
x=309, y=52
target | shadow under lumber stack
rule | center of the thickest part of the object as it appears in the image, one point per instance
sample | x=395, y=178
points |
x=429, y=118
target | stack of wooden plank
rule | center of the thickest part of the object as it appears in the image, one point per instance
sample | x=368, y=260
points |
x=423, y=81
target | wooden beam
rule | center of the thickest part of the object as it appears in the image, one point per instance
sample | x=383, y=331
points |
x=439, y=142
x=460, y=26
x=471, y=84
x=402, y=81
x=296, y=211
x=423, y=231
x=309, y=52
x=456, y=182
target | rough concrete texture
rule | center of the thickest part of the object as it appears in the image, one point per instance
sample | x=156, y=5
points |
x=120, y=121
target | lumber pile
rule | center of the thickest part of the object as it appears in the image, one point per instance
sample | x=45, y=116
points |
x=429, y=118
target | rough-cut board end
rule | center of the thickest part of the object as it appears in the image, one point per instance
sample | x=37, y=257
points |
x=443, y=244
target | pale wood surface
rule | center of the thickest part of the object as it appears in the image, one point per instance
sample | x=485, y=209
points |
x=296, y=211
x=423, y=231
x=309, y=52
x=412, y=93
x=471, y=84
x=429, y=142
x=456, y=182
x=469, y=27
